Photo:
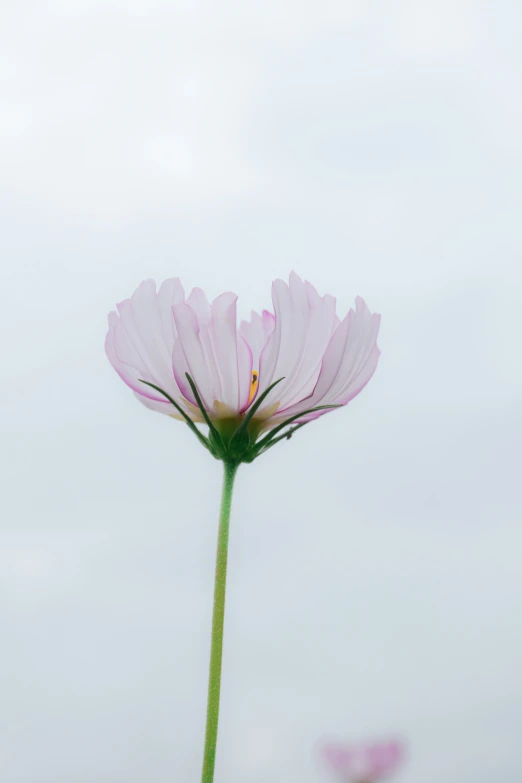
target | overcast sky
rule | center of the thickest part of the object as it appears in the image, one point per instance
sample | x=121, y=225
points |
x=375, y=586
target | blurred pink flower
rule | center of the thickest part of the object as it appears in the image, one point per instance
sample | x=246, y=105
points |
x=160, y=336
x=364, y=763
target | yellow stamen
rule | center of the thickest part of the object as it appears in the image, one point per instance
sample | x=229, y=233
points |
x=253, y=386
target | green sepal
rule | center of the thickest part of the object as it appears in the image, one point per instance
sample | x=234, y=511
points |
x=240, y=444
x=233, y=440
x=188, y=420
x=217, y=437
x=255, y=407
x=286, y=435
x=264, y=442
x=217, y=446
x=242, y=438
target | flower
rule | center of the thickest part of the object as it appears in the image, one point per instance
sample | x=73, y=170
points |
x=366, y=763
x=186, y=357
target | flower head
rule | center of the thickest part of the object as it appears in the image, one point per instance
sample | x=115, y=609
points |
x=366, y=763
x=186, y=357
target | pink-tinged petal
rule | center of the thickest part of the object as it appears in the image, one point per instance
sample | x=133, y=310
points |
x=295, y=349
x=208, y=348
x=349, y=362
x=321, y=314
x=140, y=338
x=271, y=355
x=359, y=362
x=224, y=343
x=268, y=319
x=396, y=752
x=189, y=357
x=245, y=368
x=170, y=293
x=253, y=333
x=382, y=760
x=199, y=303
x=202, y=310
x=155, y=405
x=367, y=762
x=165, y=407
x=256, y=333
x=129, y=374
x=299, y=329
x=140, y=321
x=339, y=757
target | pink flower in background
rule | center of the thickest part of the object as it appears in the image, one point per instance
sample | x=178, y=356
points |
x=161, y=336
x=365, y=763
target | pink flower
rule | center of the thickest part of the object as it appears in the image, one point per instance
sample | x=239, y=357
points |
x=163, y=345
x=367, y=763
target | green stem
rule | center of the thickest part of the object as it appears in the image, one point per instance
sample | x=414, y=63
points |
x=218, y=617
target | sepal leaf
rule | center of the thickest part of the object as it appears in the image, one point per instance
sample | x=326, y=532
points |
x=180, y=410
x=240, y=445
x=217, y=437
x=268, y=438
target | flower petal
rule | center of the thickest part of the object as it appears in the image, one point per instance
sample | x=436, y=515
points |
x=364, y=762
x=188, y=356
x=256, y=332
x=141, y=335
x=303, y=328
x=166, y=407
x=245, y=368
x=382, y=760
x=199, y=303
x=321, y=315
x=349, y=362
x=202, y=310
x=208, y=349
x=224, y=343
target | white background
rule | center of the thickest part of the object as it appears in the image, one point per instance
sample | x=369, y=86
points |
x=375, y=584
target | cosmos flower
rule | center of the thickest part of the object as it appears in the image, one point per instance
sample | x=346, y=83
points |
x=186, y=357
x=366, y=763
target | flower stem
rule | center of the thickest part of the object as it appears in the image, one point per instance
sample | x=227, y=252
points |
x=218, y=617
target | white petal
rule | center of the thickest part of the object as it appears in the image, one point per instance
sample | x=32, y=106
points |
x=303, y=328
x=349, y=362
x=224, y=343
x=188, y=356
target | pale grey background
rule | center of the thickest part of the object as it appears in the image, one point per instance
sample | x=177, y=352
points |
x=375, y=579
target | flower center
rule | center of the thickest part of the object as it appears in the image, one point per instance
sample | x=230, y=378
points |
x=253, y=386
